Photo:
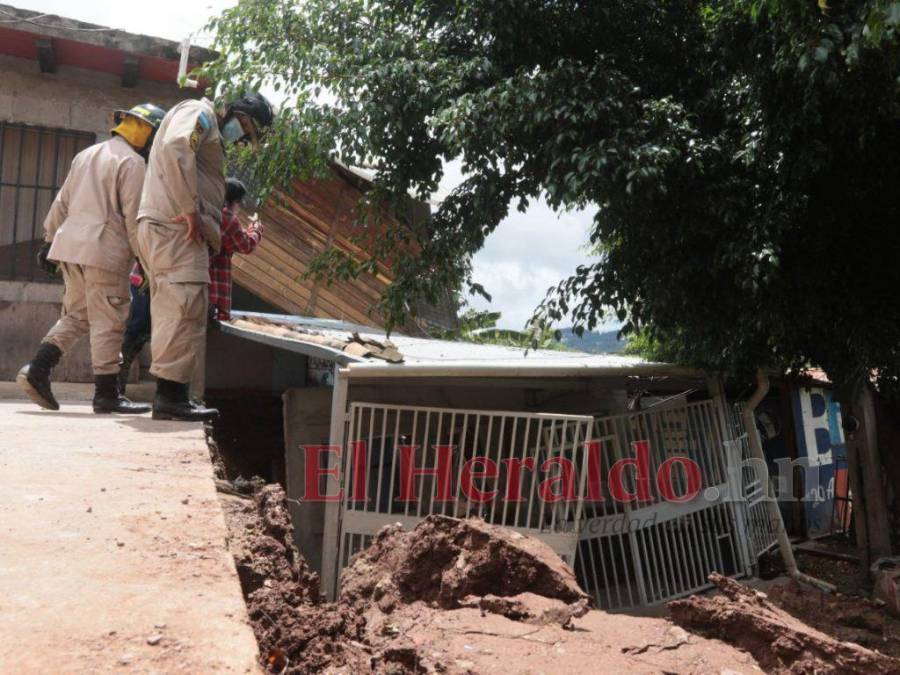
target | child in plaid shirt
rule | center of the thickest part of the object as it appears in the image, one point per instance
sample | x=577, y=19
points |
x=234, y=239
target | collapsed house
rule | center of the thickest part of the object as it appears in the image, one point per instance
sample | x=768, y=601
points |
x=414, y=426
x=398, y=412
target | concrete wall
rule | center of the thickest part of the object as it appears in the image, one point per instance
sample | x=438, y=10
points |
x=307, y=421
x=233, y=363
x=27, y=311
x=73, y=98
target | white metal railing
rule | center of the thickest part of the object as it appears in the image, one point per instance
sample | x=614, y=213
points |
x=645, y=552
x=762, y=531
x=625, y=554
x=507, y=439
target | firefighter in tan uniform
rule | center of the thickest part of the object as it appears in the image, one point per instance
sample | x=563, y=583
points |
x=91, y=232
x=179, y=223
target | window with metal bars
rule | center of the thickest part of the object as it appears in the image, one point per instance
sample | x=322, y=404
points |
x=34, y=162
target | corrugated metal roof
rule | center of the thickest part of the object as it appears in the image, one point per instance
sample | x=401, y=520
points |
x=326, y=338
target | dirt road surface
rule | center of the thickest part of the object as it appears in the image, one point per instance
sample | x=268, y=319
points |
x=112, y=548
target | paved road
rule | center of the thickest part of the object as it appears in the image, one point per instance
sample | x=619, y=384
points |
x=112, y=548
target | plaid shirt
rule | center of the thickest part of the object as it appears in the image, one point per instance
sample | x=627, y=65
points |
x=234, y=238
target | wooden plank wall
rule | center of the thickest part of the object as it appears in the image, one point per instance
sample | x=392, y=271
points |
x=300, y=224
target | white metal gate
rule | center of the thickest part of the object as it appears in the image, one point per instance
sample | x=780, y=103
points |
x=763, y=532
x=497, y=436
x=625, y=554
x=642, y=553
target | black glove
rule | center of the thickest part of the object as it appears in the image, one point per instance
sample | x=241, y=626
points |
x=213, y=317
x=48, y=266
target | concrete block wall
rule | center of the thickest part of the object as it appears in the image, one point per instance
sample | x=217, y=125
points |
x=307, y=421
x=74, y=98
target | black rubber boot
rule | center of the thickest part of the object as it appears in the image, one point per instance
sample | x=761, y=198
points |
x=173, y=402
x=130, y=351
x=34, y=378
x=107, y=398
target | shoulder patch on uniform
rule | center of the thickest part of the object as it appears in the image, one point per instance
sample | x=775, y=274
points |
x=195, y=136
x=204, y=121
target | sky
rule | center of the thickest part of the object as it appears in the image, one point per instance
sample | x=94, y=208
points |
x=527, y=254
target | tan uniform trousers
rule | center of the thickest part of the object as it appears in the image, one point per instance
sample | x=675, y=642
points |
x=96, y=302
x=178, y=272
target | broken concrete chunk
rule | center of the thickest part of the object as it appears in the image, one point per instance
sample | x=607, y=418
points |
x=356, y=345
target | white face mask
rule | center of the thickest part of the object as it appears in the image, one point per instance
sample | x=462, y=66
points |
x=233, y=131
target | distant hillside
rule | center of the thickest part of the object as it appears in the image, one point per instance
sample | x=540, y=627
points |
x=593, y=343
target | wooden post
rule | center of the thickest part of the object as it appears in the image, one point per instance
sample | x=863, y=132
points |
x=860, y=524
x=870, y=512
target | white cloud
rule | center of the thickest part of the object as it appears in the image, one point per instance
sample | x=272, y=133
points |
x=526, y=255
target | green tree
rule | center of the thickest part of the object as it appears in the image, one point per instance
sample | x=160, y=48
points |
x=743, y=157
x=536, y=98
x=480, y=327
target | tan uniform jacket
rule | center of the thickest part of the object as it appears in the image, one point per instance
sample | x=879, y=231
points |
x=186, y=172
x=93, y=220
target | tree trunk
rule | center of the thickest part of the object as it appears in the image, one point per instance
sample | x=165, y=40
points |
x=888, y=418
x=870, y=512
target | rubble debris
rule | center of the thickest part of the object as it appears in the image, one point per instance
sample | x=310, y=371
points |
x=781, y=643
x=441, y=599
x=215, y=456
x=271, y=555
x=444, y=560
x=673, y=638
x=529, y=608
x=296, y=631
x=386, y=351
x=356, y=345
x=845, y=617
x=240, y=486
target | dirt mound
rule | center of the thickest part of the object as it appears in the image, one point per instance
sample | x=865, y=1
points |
x=781, y=643
x=848, y=618
x=460, y=596
x=463, y=596
x=296, y=630
x=444, y=560
x=452, y=597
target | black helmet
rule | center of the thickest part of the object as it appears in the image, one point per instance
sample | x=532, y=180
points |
x=255, y=106
x=146, y=112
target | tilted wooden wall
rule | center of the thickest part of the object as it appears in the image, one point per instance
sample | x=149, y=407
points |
x=299, y=224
